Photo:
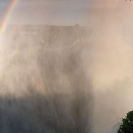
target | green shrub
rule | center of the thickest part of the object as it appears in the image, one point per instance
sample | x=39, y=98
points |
x=127, y=124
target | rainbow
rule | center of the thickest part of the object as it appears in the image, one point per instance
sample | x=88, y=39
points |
x=7, y=15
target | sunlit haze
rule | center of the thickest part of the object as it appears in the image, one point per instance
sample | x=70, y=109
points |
x=66, y=66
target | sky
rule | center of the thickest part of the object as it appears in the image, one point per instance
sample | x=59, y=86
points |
x=58, y=12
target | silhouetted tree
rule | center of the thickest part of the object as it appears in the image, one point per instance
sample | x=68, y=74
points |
x=127, y=124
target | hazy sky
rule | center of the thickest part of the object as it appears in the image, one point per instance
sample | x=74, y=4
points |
x=46, y=11
x=57, y=12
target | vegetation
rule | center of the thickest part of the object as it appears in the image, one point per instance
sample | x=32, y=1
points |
x=127, y=124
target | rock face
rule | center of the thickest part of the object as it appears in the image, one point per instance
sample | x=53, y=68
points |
x=43, y=85
x=49, y=36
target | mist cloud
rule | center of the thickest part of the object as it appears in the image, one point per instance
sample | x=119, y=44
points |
x=98, y=68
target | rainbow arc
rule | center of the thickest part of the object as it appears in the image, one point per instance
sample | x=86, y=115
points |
x=7, y=16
